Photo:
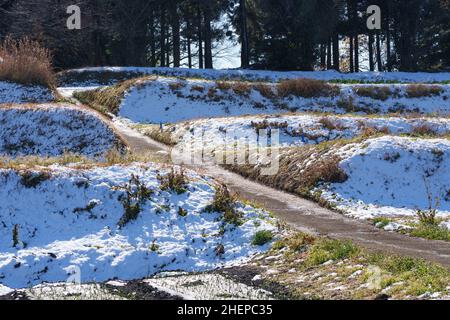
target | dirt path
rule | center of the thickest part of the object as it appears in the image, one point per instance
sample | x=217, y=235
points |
x=305, y=215
x=301, y=214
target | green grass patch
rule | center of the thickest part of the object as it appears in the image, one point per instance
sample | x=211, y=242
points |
x=262, y=237
x=431, y=232
x=329, y=249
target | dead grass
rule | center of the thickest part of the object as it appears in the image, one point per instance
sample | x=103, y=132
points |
x=423, y=130
x=374, y=92
x=265, y=90
x=331, y=124
x=422, y=90
x=306, y=88
x=223, y=85
x=176, y=86
x=25, y=61
x=198, y=88
x=242, y=89
x=301, y=169
x=263, y=125
x=75, y=161
x=108, y=100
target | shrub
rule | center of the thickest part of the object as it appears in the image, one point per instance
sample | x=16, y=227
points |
x=225, y=203
x=33, y=179
x=262, y=237
x=374, y=92
x=182, y=212
x=15, y=236
x=422, y=90
x=381, y=222
x=26, y=61
x=306, y=88
x=154, y=247
x=220, y=250
x=136, y=194
x=174, y=181
x=423, y=130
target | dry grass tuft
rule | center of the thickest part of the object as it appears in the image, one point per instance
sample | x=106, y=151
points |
x=242, y=88
x=25, y=61
x=423, y=130
x=265, y=90
x=223, y=86
x=306, y=88
x=331, y=124
x=176, y=86
x=108, y=100
x=422, y=90
x=374, y=92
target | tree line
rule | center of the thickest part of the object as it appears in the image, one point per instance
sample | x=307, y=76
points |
x=272, y=34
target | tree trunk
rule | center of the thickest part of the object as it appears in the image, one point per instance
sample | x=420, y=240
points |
x=357, y=53
x=152, y=39
x=208, y=38
x=329, y=62
x=352, y=61
x=323, y=56
x=378, y=42
x=388, y=39
x=175, y=19
x=371, y=59
x=200, y=39
x=245, y=61
x=163, y=36
x=336, y=52
x=188, y=39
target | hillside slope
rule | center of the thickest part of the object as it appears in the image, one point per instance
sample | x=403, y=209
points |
x=116, y=222
x=51, y=130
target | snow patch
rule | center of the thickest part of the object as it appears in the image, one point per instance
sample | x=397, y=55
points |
x=17, y=93
x=58, y=230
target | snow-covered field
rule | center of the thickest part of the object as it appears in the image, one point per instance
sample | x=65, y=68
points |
x=393, y=177
x=70, y=223
x=170, y=100
x=17, y=93
x=51, y=130
x=255, y=75
x=295, y=130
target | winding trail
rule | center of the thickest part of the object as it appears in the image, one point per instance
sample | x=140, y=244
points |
x=299, y=213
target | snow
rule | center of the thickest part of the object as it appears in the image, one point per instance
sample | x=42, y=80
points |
x=156, y=101
x=5, y=290
x=259, y=75
x=299, y=130
x=393, y=177
x=207, y=287
x=70, y=221
x=52, y=130
x=17, y=93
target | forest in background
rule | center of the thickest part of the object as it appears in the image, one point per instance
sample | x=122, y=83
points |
x=273, y=34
